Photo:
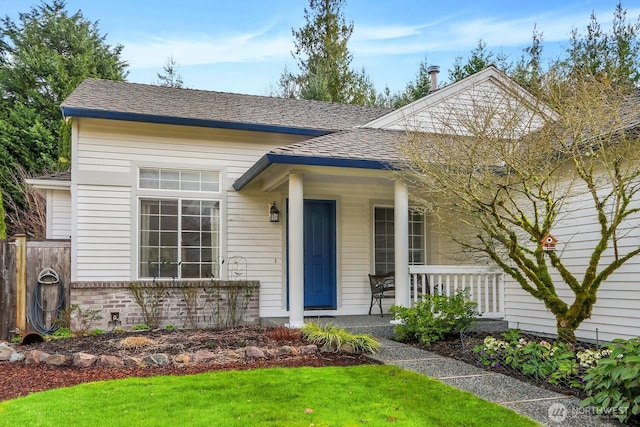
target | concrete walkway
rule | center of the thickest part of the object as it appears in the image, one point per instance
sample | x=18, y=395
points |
x=546, y=407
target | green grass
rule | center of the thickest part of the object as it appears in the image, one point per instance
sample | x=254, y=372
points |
x=332, y=396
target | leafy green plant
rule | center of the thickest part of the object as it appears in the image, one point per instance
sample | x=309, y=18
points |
x=62, y=332
x=77, y=320
x=555, y=363
x=97, y=331
x=334, y=338
x=613, y=384
x=118, y=330
x=433, y=317
x=170, y=328
x=141, y=327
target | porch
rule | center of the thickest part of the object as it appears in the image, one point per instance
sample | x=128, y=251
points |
x=485, y=287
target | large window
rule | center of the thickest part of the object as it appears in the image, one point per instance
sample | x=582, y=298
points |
x=384, y=252
x=179, y=237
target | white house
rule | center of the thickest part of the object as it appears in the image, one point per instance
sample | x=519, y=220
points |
x=166, y=183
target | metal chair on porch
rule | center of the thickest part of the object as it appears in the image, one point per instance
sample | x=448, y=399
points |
x=382, y=286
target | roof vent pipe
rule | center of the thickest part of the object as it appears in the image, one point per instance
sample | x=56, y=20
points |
x=433, y=71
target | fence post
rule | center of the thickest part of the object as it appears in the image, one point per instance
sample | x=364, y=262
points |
x=21, y=282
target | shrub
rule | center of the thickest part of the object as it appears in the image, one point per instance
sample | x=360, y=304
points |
x=151, y=298
x=334, y=338
x=141, y=327
x=435, y=316
x=613, y=384
x=76, y=320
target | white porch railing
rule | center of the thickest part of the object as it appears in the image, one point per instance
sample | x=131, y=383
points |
x=486, y=286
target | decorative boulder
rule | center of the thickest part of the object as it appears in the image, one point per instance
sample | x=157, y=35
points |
x=83, y=360
x=108, y=361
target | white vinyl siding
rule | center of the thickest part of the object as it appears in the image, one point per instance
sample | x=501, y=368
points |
x=58, y=214
x=103, y=229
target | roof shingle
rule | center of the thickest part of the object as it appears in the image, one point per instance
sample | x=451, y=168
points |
x=149, y=100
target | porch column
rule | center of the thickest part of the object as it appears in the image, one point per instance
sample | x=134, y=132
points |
x=401, y=243
x=296, y=251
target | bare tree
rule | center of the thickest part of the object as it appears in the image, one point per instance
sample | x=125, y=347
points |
x=507, y=169
x=29, y=217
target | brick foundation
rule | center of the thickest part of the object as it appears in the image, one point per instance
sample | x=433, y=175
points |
x=184, y=304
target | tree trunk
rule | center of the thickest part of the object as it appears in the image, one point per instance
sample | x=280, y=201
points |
x=566, y=333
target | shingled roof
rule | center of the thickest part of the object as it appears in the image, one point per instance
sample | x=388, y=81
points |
x=140, y=102
x=356, y=144
x=364, y=148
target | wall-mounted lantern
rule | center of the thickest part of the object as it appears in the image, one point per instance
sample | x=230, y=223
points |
x=549, y=243
x=274, y=213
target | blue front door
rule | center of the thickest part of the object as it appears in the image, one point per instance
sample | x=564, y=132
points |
x=319, y=254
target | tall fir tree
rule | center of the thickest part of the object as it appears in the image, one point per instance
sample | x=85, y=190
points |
x=324, y=60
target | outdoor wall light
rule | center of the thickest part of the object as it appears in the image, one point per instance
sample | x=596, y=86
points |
x=274, y=213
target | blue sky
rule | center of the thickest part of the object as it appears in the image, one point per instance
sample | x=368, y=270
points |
x=243, y=46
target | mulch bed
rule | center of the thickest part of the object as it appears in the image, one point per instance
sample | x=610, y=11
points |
x=18, y=379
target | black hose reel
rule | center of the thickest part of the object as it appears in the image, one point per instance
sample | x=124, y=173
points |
x=39, y=307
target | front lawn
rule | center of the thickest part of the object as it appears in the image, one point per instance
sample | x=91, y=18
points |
x=331, y=396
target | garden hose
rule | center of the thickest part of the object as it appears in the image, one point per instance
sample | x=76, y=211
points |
x=36, y=311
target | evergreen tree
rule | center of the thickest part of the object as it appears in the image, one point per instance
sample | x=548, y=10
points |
x=324, y=60
x=613, y=55
x=529, y=70
x=170, y=77
x=480, y=59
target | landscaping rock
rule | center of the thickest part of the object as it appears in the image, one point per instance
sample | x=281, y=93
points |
x=203, y=356
x=347, y=348
x=182, y=358
x=233, y=355
x=108, y=361
x=253, y=352
x=6, y=353
x=35, y=357
x=56, y=359
x=286, y=350
x=159, y=359
x=132, y=362
x=83, y=360
x=17, y=357
x=309, y=349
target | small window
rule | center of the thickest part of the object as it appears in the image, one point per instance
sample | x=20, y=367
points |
x=168, y=179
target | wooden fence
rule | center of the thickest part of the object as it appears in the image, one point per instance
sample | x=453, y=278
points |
x=21, y=262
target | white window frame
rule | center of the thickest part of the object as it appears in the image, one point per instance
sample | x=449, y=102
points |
x=411, y=249
x=143, y=193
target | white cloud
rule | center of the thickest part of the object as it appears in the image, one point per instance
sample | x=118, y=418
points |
x=207, y=49
x=461, y=33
